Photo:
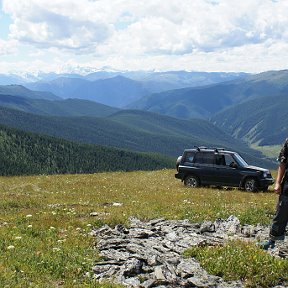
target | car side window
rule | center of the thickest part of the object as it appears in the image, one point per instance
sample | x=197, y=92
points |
x=189, y=157
x=204, y=158
x=230, y=161
x=225, y=160
x=220, y=159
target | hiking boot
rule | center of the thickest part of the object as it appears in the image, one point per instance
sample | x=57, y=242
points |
x=265, y=245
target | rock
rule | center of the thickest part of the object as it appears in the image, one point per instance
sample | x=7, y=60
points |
x=99, y=214
x=132, y=267
x=149, y=254
x=121, y=228
x=207, y=226
x=158, y=273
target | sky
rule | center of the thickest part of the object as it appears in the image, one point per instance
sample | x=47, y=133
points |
x=78, y=36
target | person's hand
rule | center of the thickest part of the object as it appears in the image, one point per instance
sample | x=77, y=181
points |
x=277, y=188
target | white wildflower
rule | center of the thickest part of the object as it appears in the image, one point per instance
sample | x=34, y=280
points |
x=117, y=204
x=61, y=240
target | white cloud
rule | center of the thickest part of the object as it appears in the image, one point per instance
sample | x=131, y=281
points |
x=186, y=34
x=57, y=24
x=7, y=47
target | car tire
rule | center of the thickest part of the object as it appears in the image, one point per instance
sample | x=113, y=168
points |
x=191, y=181
x=250, y=185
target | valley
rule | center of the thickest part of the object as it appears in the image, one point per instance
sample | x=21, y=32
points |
x=241, y=112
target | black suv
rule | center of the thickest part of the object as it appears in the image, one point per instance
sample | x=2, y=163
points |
x=220, y=167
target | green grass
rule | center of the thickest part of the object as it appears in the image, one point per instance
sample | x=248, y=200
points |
x=269, y=151
x=239, y=260
x=45, y=221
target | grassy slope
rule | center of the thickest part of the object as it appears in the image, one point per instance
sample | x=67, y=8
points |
x=45, y=220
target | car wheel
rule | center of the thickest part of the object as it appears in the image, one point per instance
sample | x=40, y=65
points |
x=191, y=181
x=250, y=185
x=265, y=189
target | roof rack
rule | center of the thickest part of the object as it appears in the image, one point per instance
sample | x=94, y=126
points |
x=216, y=149
x=201, y=147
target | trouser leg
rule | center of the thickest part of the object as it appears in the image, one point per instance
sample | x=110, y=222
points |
x=279, y=223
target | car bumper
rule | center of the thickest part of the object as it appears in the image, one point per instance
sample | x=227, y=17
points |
x=266, y=182
x=179, y=176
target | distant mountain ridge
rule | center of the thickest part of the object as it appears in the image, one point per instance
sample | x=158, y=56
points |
x=204, y=102
x=67, y=107
x=8, y=79
x=119, y=89
x=190, y=78
x=21, y=91
x=62, y=87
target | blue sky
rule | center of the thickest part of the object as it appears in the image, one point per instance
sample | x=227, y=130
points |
x=195, y=35
x=5, y=21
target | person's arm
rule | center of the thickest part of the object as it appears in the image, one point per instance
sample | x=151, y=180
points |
x=280, y=174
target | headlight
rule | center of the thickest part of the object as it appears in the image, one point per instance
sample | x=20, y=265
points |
x=265, y=174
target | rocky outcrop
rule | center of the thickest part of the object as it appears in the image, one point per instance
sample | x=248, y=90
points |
x=149, y=254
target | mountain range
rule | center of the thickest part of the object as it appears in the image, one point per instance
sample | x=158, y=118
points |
x=245, y=110
x=204, y=102
x=120, y=89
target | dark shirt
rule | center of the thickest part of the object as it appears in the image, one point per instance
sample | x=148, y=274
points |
x=283, y=155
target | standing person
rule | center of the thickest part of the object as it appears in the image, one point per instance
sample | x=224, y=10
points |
x=279, y=223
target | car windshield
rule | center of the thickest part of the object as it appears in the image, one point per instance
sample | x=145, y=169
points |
x=240, y=160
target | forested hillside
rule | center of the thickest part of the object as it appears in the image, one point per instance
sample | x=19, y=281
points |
x=261, y=121
x=133, y=130
x=23, y=153
x=67, y=107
